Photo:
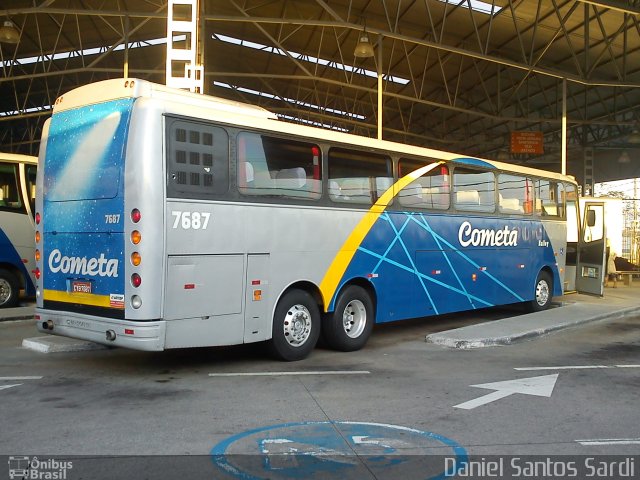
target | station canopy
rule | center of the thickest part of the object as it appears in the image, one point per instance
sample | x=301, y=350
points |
x=458, y=75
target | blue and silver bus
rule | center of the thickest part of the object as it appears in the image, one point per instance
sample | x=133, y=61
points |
x=17, y=202
x=168, y=219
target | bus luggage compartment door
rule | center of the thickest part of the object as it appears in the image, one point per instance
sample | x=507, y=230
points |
x=203, y=285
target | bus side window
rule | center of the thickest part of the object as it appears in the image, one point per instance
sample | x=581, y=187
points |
x=358, y=177
x=547, y=199
x=197, y=159
x=278, y=167
x=9, y=190
x=474, y=190
x=514, y=194
x=430, y=191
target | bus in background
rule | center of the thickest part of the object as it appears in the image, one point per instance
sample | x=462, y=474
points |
x=17, y=203
x=168, y=219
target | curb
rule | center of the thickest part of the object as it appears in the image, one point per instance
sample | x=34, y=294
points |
x=447, y=340
x=59, y=344
x=16, y=317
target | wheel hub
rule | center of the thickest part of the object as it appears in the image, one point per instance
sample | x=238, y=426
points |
x=542, y=293
x=354, y=318
x=5, y=291
x=297, y=325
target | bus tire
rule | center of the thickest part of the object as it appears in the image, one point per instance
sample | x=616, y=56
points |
x=349, y=326
x=9, y=289
x=296, y=326
x=543, y=292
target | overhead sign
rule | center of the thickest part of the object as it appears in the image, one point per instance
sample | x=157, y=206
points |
x=527, y=142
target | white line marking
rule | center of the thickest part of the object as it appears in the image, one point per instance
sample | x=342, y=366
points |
x=275, y=374
x=19, y=378
x=575, y=367
x=610, y=441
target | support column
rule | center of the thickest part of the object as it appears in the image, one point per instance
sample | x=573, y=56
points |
x=564, y=127
x=183, y=70
x=380, y=87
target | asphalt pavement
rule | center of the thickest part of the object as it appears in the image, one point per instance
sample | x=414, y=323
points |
x=568, y=311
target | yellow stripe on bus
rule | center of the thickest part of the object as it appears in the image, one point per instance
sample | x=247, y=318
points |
x=81, y=298
x=342, y=259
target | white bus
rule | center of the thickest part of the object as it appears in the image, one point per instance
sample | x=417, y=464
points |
x=168, y=219
x=17, y=202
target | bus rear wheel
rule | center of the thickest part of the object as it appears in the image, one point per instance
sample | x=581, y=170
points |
x=296, y=326
x=349, y=326
x=543, y=292
x=9, y=289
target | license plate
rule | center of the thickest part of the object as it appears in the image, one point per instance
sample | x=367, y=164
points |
x=80, y=286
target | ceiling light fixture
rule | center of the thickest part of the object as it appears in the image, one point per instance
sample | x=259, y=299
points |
x=624, y=157
x=634, y=137
x=9, y=33
x=364, y=49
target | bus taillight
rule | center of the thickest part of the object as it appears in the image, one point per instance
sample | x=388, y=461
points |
x=135, y=215
x=37, y=218
x=136, y=280
x=136, y=237
x=136, y=259
x=36, y=273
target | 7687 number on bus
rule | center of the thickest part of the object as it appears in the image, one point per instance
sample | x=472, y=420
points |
x=190, y=220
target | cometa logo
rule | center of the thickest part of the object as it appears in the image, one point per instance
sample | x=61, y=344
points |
x=101, y=266
x=467, y=235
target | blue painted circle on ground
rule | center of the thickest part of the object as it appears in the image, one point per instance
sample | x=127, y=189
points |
x=341, y=450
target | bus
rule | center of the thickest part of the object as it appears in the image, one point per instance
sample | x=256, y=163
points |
x=168, y=219
x=17, y=203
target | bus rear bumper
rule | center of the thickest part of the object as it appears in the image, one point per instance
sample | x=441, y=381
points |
x=148, y=336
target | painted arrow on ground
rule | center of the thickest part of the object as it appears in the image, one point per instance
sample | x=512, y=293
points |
x=539, y=386
x=4, y=387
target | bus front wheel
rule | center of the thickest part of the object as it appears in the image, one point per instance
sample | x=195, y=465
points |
x=349, y=326
x=296, y=326
x=543, y=292
x=9, y=289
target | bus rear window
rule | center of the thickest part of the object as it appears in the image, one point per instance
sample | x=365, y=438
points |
x=85, y=151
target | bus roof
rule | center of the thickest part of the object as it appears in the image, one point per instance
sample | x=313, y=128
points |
x=18, y=158
x=259, y=117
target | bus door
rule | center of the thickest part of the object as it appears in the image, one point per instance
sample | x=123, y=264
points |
x=591, y=250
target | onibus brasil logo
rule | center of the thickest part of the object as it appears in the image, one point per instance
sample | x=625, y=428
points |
x=23, y=468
